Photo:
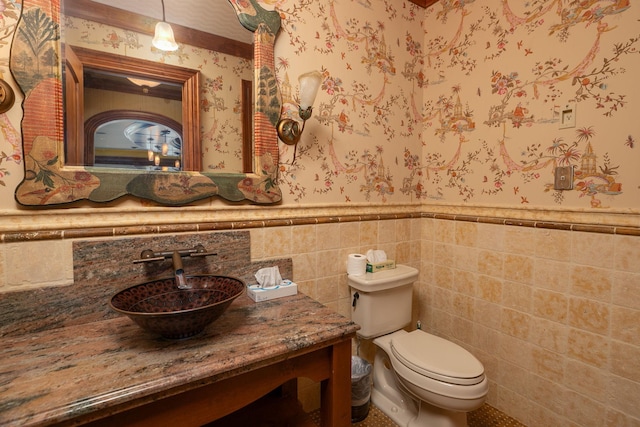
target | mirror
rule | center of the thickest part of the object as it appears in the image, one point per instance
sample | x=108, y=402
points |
x=49, y=179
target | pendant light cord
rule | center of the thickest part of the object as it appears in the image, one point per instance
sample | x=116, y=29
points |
x=163, y=18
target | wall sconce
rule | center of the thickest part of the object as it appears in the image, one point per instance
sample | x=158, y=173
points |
x=289, y=131
x=7, y=97
x=163, y=38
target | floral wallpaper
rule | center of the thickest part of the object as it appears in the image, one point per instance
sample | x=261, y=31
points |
x=466, y=102
x=10, y=139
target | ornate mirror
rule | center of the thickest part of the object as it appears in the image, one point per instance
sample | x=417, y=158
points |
x=50, y=174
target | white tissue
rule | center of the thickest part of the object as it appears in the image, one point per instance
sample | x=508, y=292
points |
x=377, y=255
x=268, y=276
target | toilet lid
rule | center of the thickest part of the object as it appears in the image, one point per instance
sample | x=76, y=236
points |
x=437, y=358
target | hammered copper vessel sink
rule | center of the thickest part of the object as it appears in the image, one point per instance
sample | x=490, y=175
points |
x=162, y=308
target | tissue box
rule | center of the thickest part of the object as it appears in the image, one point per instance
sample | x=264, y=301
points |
x=264, y=294
x=379, y=266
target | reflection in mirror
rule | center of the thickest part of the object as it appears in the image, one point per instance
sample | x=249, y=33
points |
x=132, y=142
x=48, y=180
x=138, y=141
x=105, y=89
x=118, y=31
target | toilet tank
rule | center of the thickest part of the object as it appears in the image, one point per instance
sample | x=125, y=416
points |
x=381, y=302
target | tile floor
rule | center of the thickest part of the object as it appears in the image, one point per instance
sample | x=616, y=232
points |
x=277, y=411
x=486, y=416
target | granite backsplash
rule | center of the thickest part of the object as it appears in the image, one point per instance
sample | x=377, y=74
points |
x=101, y=268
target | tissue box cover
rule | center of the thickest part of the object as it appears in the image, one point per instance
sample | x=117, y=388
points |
x=258, y=294
x=379, y=266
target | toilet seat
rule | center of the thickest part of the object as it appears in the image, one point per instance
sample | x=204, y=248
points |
x=437, y=358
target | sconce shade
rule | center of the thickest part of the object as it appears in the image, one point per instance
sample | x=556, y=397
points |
x=309, y=85
x=163, y=38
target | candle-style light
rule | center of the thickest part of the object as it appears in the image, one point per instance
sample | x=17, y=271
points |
x=289, y=130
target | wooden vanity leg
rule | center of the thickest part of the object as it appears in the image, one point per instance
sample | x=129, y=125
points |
x=336, y=391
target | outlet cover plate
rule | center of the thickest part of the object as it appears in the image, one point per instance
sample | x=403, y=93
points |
x=568, y=116
x=563, y=178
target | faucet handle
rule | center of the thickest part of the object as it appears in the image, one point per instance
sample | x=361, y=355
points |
x=148, y=256
x=199, y=250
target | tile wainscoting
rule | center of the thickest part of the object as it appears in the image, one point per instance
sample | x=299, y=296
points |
x=550, y=307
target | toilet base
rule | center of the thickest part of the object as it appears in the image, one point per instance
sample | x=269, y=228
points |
x=400, y=410
x=407, y=414
x=432, y=416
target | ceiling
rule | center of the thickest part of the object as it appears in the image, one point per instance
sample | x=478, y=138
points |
x=211, y=16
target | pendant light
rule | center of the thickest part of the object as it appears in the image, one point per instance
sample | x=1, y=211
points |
x=163, y=38
x=150, y=152
x=165, y=145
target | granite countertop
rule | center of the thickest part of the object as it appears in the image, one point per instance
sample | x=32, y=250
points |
x=57, y=375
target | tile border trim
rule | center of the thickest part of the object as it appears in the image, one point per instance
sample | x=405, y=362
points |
x=120, y=231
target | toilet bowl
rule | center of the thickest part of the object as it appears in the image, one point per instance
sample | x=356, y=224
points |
x=419, y=379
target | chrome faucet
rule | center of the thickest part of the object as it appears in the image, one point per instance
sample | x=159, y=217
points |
x=176, y=255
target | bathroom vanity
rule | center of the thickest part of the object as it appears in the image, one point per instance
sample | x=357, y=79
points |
x=111, y=372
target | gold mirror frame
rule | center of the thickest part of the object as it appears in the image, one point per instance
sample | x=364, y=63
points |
x=47, y=181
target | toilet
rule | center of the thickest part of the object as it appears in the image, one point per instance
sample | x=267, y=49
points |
x=419, y=379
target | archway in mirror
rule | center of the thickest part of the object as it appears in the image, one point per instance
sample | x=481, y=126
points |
x=133, y=140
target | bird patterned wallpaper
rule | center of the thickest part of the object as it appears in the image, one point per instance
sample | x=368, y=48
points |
x=465, y=102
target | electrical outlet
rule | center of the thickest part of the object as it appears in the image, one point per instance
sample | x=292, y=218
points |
x=568, y=116
x=563, y=178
